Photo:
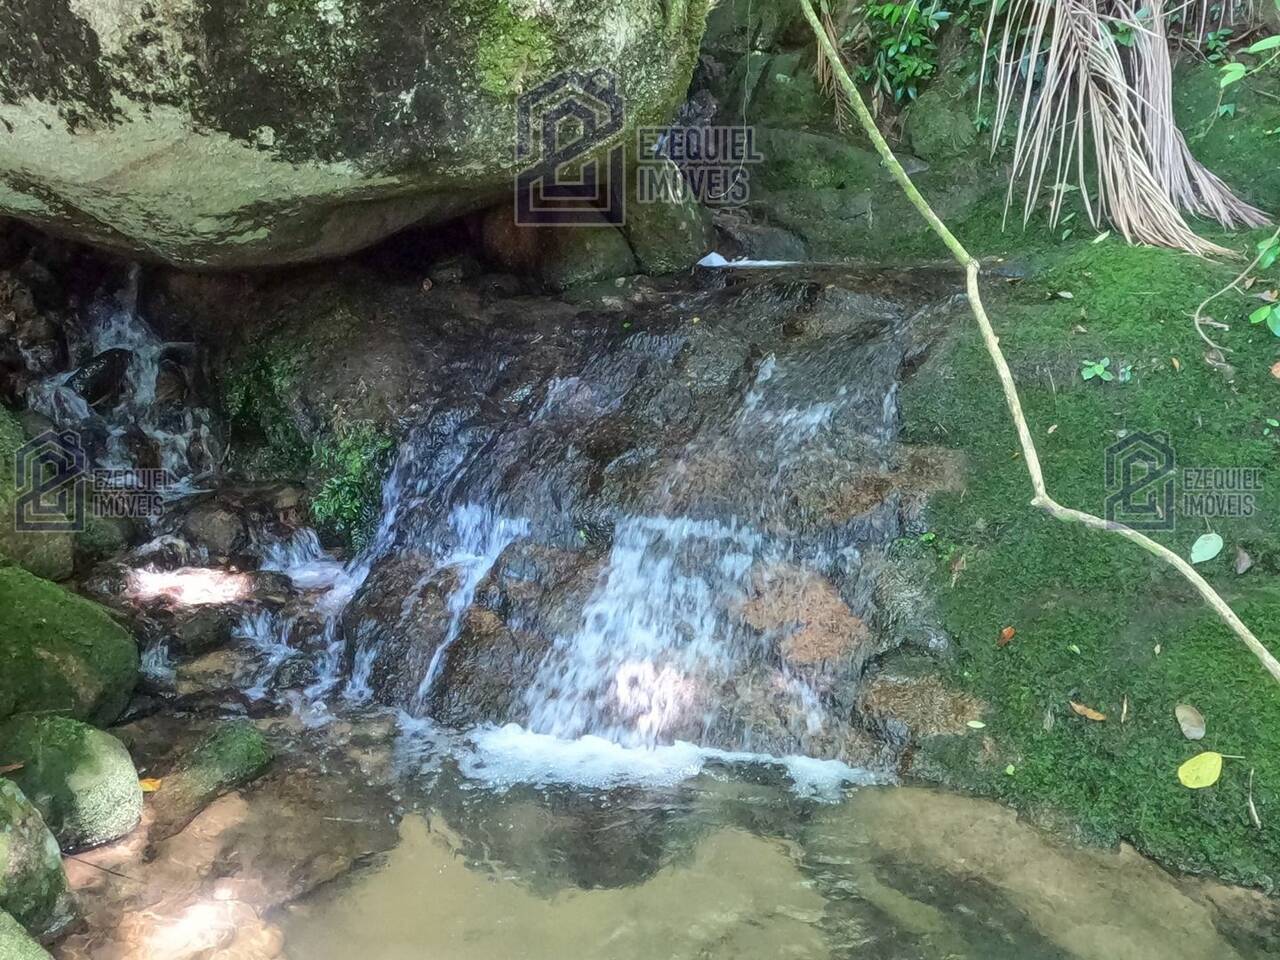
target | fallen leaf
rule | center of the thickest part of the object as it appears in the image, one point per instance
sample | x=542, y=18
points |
x=1190, y=720
x=1206, y=548
x=150, y=784
x=1102, y=236
x=1074, y=649
x=1009, y=770
x=957, y=568
x=10, y=768
x=1248, y=284
x=1202, y=770
x=975, y=724
x=1079, y=328
x=1157, y=649
x=1253, y=811
x=1275, y=369
x=1177, y=364
x=1066, y=295
x=1006, y=635
x=1124, y=709
x=1243, y=561
x=1053, y=429
x=1087, y=712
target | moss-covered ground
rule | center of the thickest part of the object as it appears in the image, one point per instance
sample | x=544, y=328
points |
x=1097, y=620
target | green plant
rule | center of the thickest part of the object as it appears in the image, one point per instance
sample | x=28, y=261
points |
x=1089, y=369
x=905, y=55
x=350, y=469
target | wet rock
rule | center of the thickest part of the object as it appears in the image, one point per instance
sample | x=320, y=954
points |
x=216, y=528
x=809, y=618
x=253, y=135
x=15, y=944
x=454, y=269
x=199, y=630
x=101, y=381
x=668, y=236
x=80, y=779
x=561, y=257
x=232, y=755
x=486, y=670
x=61, y=652
x=33, y=888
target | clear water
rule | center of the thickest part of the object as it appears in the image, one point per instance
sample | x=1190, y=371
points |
x=724, y=868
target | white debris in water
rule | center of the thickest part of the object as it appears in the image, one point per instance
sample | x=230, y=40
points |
x=504, y=757
x=156, y=663
x=715, y=261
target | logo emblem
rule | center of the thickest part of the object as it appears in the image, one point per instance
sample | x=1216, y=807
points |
x=49, y=474
x=561, y=127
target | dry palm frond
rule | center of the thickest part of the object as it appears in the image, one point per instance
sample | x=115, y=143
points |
x=1073, y=85
x=826, y=76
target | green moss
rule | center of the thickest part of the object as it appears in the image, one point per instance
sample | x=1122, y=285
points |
x=258, y=400
x=233, y=754
x=60, y=652
x=509, y=50
x=350, y=467
x=47, y=555
x=1067, y=590
x=80, y=779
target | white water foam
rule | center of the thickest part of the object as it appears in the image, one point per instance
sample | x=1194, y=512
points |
x=504, y=757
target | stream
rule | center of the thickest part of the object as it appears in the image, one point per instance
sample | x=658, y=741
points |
x=592, y=685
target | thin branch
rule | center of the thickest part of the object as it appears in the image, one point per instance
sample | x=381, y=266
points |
x=1200, y=318
x=1031, y=457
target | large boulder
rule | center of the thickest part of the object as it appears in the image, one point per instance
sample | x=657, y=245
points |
x=33, y=887
x=235, y=132
x=81, y=780
x=60, y=652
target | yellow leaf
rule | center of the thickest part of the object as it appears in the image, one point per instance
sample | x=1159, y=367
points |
x=1177, y=364
x=975, y=724
x=1202, y=770
x=150, y=784
x=1087, y=712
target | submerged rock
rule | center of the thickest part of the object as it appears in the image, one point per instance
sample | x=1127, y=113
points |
x=33, y=888
x=245, y=134
x=233, y=754
x=61, y=652
x=80, y=779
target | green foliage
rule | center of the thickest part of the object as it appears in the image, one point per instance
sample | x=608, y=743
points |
x=350, y=468
x=1101, y=369
x=257, y=402
x=1142, y=636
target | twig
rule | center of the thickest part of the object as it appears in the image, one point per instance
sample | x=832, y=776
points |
x=1030, y=456
x=1233, y=285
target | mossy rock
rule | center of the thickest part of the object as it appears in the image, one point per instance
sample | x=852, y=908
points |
x=669, y=235
x=232, y=755
x=238, y=133
x=80, y=779
x=60, y=652
x=15, y=944
x=48, y=555
x=939, y=126
x=33, y=887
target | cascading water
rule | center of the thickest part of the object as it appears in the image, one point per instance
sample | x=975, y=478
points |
x=582, y=541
